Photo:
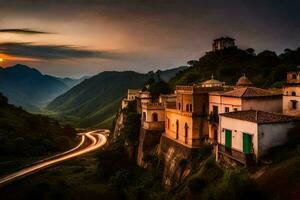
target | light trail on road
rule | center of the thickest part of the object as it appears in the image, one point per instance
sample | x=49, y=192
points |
x=98, y=140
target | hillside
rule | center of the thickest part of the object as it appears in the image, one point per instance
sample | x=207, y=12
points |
x=95, y=101
x=266, y=69
x=24, y=135
x=27, y=87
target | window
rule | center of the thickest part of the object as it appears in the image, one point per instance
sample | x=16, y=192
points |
x=179, y=106
x=154, y=117
x=226, y=109
x=144, y=116
x=293, y=93
x=235, y=109
x=168, y=123
x=186, y=129
x=187, y=107
x=215, y=110
x=294, y=76
x=177, y=129
x=294, y=104
x=191, y=108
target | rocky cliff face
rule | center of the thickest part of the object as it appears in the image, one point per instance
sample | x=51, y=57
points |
x=176, y=160
x=154, y=151
x=118, y=125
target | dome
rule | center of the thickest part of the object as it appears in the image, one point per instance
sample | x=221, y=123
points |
x=244, y=81
x=212, y=83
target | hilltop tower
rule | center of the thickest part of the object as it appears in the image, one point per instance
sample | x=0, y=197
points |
x=223, y=43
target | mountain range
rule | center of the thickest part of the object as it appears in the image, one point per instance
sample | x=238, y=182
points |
x=30, y=89
x=95, y=101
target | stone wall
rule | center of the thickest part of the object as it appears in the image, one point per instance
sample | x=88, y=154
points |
x=176, y=160
x=148, y=142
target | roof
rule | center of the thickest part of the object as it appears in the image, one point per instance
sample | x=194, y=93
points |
x=250, y=92
x=223, y=38
x=212, y=81
x=260, y=117
x=243, y=81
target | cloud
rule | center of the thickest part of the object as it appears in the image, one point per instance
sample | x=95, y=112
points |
x=30, y=50
x=23, y=31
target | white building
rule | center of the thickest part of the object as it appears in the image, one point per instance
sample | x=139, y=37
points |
x=246, y=135
x=243, y=98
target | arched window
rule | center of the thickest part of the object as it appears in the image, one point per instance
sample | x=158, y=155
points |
x=187, y=107
x=177, y=129
x=154, y=117
x=204, y=109
x=293, y=93
x=186, y=129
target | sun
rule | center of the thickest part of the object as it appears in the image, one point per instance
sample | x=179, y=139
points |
x=1, y=59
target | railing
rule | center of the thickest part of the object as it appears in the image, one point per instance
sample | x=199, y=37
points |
x=237, y=155
x=153, y=125
x=171, y=105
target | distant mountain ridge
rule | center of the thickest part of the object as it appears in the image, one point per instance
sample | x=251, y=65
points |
x=95, y=101
x=29, y=88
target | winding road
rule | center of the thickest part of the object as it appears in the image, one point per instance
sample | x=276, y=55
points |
x=97, y=139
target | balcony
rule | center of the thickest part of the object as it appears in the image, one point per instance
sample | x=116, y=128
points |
x=213, y=117
x=241, y=157
x=153, y=125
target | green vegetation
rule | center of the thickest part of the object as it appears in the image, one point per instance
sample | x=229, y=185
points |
x=265, y=69
x=157, y=88
x=26, y=135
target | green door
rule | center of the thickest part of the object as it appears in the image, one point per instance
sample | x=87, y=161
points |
x=228, y=138
x=247, y=143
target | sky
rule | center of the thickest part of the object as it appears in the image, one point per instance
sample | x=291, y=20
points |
x=83, y=37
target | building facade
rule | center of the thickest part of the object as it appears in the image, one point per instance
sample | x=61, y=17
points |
x=186, y=121
x=243, y=98
x=247, y=136
x=291, y=94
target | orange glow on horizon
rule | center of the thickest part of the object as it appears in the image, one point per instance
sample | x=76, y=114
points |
x=10, y=58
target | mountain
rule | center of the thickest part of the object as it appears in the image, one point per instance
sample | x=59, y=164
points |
x=23, y=134
x=166, y=75
x=71, y=82
x=95, y=101
x=265, y=69
x=29, y=88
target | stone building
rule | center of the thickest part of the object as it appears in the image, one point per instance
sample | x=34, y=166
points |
x=246, y=136
x=152, y=126
x=291, y=94
x=186, y=121
x=223, y=43
x=241, y=98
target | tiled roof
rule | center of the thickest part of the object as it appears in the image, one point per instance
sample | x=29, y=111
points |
x=250, y=92
x=260, y=117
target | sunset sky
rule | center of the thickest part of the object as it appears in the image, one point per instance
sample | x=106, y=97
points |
x=79, y=37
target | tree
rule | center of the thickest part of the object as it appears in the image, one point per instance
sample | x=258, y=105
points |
x=250, y=51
